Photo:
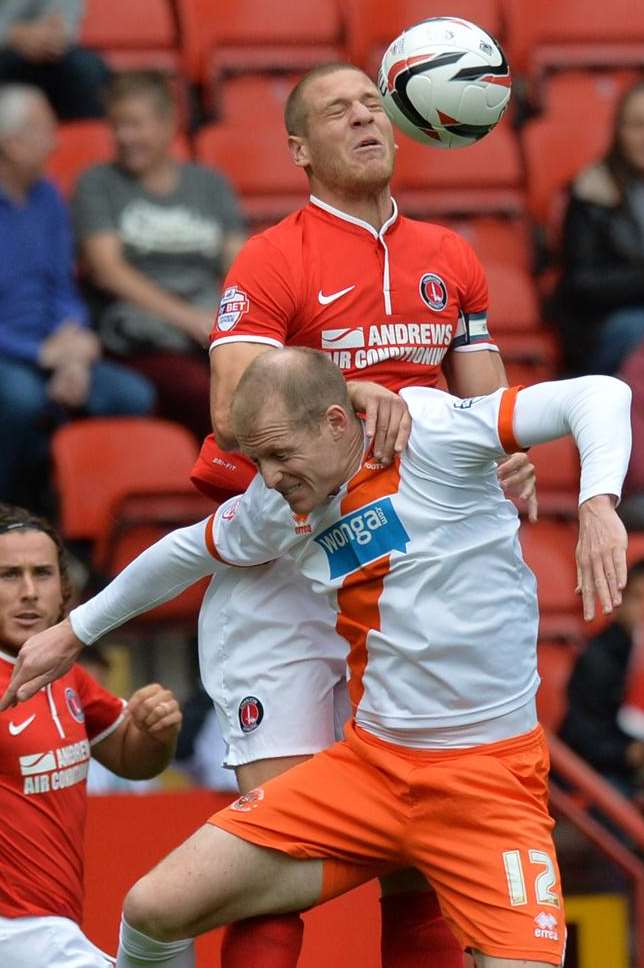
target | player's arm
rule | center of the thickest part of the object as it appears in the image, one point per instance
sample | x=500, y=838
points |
x=143, y=744
x=228, y=362
x=474, y=374
x=595, y=411
x=240, y=535
x=168, y=567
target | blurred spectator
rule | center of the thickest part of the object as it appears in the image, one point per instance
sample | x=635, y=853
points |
x=600, y=299
x=156, y=236
x=597, y=690
x=38, y=46
x=49, y=366
x=201, y=748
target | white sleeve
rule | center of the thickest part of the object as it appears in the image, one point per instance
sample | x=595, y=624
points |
x=160, y=573
x=595, y=410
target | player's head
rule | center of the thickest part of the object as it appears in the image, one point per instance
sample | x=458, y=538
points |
x=338, y=131
x=630, y=613
x=292, y=416
x=27, y=131
x=34, y=583
x=141, y=110
x=625, y=157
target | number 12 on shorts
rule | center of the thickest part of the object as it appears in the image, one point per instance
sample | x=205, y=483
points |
x=543, y=881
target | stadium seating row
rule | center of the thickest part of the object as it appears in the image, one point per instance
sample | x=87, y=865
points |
x=206, y=37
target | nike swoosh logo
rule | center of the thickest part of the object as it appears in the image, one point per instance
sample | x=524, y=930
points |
x=17, y=730
x=325, y=300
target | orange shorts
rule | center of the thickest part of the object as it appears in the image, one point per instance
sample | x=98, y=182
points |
x=474, y=821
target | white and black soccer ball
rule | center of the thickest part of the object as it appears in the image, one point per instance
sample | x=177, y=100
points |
x=445, y=82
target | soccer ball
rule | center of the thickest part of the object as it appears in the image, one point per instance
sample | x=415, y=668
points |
x=445, y=82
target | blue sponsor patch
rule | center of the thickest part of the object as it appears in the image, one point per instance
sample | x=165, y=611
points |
x=362, y=537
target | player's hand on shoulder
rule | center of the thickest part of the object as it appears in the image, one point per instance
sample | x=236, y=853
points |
x=601, y=555
x=155, y=711
x=517, y=478
x=387, y=419
x=44, y=657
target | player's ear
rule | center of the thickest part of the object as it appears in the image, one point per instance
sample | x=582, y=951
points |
x=337, y=420
x=299, y=151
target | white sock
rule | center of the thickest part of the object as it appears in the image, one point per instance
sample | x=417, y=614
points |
x=137, y=949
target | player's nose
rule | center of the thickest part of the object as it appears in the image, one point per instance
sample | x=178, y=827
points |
x=28, y=587
x=271, y=473
x=360, y=113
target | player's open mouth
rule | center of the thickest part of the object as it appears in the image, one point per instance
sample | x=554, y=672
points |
x=368, y=143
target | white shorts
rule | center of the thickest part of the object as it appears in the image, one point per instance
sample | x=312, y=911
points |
x=272, y=662
x=47, y=942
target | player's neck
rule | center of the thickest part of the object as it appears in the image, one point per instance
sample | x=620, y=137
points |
x=374, y=209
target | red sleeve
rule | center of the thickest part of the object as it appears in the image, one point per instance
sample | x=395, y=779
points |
x=259, y=297
x=220, y=474
x=474, y=297
x=472, y=331
x=102, y=709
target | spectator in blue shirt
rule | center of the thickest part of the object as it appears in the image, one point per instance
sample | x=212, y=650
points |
x=49, y=358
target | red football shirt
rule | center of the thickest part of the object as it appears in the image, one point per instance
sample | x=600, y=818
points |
x=44, y=756
x=387, y=306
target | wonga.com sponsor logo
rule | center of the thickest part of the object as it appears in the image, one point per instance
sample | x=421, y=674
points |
x=362, y=537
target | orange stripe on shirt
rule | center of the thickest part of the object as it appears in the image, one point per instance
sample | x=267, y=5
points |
x=359, y=597
x=506, y=421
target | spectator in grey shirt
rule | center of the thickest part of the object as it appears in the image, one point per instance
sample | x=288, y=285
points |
x=39, y=45
x=155, y=237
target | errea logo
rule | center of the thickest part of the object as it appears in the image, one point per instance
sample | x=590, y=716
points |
x=546, y=926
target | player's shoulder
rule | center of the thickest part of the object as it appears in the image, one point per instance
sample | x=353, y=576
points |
x=436, y=235
x=282, y=240
x=284, y=233
x=437, y=411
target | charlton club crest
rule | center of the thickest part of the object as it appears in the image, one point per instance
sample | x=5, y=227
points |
x=251, y=713
x=433, y=291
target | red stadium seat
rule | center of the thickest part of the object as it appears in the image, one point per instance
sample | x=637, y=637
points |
x=255, y=99
x=564, y=93
x=372, y=25
x=513, y=305
x=524, y=374
x=132, y=33
x=81, y=144
x=482, y=179
x=122, y=484
x=549, y=550
x=237, y=36
x=257, y=162
x=534, y=348
x=555, y=660
x=496, y=239
x=555, y=150
x=573, y=33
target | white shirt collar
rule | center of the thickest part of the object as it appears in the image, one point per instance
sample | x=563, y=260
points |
x=357, y=221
